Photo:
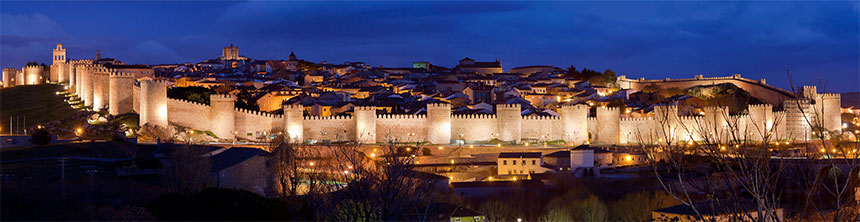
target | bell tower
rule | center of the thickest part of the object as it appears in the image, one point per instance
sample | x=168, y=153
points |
x=59, y=54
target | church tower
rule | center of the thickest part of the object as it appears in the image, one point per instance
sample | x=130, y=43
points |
x=59, y=69
x=59, y=54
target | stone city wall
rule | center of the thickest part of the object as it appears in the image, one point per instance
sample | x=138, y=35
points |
x=106, y=88
x=757, y=88
x=474, y=127
x=400, y=128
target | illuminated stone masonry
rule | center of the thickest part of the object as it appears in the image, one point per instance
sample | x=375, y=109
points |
x=119, y=93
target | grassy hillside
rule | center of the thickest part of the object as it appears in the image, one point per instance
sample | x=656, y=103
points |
x=39, y=103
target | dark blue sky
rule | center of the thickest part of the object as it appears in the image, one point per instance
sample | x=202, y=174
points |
x=817, y=40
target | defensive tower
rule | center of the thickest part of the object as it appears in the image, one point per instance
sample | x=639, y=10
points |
x=9, y=75
x=153, y=103
x=760, y=123
x=510, y=122
x=294, y=122
x=575, y=121
x=221, y=115
x=439, y=123
x=665, y=124
x=101, y=88
x=121, y=95
x=609, y=125
x=32, y=74
x=365, y=124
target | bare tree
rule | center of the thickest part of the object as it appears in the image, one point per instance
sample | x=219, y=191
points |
x=380, y=184
x=831, y=195
x=292, y=166
x=187, y=169
x=737, y=160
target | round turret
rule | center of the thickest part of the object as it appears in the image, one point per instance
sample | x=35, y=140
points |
x=101, y=88
x=153, y=103
x=121, y=99
x=32, y=75
x=86, y=88
x=9, y=75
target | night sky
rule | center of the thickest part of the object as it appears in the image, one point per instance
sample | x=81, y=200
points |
x=817, y=40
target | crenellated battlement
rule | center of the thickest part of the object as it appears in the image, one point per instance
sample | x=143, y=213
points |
x=830, y=95
x=760, y=106
x=293, y=107
x=508, y=106
x=438, y=106
x=400, y=116
x=711, y=109
x=115, y=74
x=365, y=108
x=541, y=118
x=439, y=125
x=473, y=116
x=690, y=118
x=635, y=119
x=186, y=102
x=222, y=97
x=158, y=82
x=254, y=112
x=81, y=61
x=607, y=109
x=324, y=118
x=573, y=106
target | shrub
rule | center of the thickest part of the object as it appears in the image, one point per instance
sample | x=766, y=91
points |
x=40, y=137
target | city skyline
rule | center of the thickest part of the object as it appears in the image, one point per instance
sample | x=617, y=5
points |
x=670, y=39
